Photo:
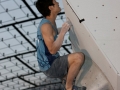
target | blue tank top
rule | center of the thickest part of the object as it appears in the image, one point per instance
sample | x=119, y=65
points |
x=44, y=57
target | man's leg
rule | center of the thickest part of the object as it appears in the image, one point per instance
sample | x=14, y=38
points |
x=75, y=61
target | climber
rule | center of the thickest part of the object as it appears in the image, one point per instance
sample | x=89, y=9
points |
x=48, y=45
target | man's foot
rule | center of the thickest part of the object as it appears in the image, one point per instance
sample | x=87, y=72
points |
x=78, y=88
x=64, y=82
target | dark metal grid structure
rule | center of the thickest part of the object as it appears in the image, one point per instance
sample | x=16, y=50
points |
x=18, y=63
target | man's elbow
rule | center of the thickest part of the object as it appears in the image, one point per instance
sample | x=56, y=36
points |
x=52, y=52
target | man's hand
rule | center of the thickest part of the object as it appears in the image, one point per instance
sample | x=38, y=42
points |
x=65, y=28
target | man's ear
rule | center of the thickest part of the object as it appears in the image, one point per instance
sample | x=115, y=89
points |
x=50, y=7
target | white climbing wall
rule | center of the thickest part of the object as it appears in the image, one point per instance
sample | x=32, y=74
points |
x=98, y=37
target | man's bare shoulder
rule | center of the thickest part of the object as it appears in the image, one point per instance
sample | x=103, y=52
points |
x=46, y=29
x=46, y=25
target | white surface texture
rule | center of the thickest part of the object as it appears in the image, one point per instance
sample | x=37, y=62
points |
x=105, y=28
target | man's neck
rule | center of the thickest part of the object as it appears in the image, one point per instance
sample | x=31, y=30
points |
x=52, y=18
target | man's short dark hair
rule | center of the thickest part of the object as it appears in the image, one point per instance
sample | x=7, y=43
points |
x=43, y=7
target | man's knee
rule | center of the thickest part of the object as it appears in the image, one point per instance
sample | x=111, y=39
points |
x=79, y=57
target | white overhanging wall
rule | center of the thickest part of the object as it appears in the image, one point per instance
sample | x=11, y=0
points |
x=99, y=35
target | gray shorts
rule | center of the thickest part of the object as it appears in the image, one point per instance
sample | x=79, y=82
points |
x=59, y=68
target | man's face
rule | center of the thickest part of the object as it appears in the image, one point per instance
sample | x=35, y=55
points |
x=56, y=6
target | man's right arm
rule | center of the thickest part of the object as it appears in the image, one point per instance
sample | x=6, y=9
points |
x=47, y=33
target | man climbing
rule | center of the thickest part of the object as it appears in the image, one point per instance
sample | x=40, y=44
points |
x=48, y=43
